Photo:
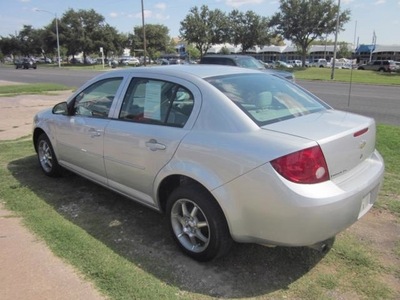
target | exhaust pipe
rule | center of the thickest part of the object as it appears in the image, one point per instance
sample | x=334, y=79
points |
x=324, y=246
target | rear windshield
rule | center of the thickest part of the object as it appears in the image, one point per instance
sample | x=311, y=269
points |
x=266, y=98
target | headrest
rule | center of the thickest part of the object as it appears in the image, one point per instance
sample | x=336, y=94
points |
x=264, y=100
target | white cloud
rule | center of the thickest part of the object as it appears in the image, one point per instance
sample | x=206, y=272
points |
x=161, y=5
x=114, y=14
x=379, y=2
x=237, y=3
x=147, y=14
x=162, y=17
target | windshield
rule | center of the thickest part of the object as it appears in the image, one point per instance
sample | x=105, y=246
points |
x=249, y=63
x=267, y=99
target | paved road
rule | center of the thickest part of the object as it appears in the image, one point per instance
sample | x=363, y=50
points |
x=73, y=78
x=379, y=102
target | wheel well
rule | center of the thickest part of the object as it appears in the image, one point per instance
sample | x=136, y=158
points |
x=170, y=183
x=35, y=137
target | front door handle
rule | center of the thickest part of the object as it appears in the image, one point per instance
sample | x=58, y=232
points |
x=153, y=145
x=95, y=133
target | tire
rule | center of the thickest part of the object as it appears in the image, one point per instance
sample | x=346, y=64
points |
x=197, y=223
x=46, y=157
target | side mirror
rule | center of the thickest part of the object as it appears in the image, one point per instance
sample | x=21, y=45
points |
x=60, y=109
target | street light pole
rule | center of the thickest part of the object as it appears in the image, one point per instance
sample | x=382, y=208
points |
x=58, y=42
x=144, y=35
x=57, y=36
x=335, y=46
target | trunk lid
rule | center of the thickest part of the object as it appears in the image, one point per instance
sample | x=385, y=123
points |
x=346, y=139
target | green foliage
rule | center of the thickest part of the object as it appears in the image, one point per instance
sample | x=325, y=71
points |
x=248, y=29
x=388, y=140
x=302, y=22
x=81, y=30
x=193, y=52
x=345, y=75
x=36, y=88
x=157, y=39
x=204, y=27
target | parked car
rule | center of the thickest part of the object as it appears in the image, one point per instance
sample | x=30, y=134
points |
x=89, y=61
x=397, y=63
x=243, y=61
x=163, y=61
x=320, y=63
x=295, y=63
x=282, y=64
x=229, y=154
x=128, y=60
x=25, y=63
x=379, y=65
x=44, y=60
x=76, y=61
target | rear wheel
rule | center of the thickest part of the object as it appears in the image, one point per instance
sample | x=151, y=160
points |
x=197, y=223
x=46, y=156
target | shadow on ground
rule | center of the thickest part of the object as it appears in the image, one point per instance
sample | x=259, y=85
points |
x=140, y=235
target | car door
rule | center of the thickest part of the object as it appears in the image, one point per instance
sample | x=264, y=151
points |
x=154, y=117
x=80, y=135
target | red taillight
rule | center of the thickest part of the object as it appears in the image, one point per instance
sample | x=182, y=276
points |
x=306, y=166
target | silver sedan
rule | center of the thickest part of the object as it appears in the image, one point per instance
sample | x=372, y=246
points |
x=229, y=154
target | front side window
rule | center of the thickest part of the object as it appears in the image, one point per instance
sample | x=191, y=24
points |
x=267, y=99
x=96, y=100
x=157, y=102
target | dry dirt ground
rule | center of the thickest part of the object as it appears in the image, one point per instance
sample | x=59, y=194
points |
x=16, y=113
x=136, y=234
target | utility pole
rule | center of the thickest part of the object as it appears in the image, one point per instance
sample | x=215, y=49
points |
x=335, y=46
x=58, y=38
x=144, y=36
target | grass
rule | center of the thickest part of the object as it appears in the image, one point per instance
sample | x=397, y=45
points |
x=345, y=75
x=349, y=269
x=113, y=275
x=35, y=88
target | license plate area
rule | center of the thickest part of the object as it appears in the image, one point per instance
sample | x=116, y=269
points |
x=368, y=201
x=365, y=205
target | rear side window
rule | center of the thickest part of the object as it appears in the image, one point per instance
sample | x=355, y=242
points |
x=157, y=102
x=267, y=99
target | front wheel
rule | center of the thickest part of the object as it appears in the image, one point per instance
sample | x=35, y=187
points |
x=197, y=223
x=46, y=156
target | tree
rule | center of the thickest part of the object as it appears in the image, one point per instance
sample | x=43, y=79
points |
x=344, y=50
x=157, y=39
x=28, y=42
x=85, y=31
x=204, y=27
x=10, y=45
x=303, y=21
x=248, y=29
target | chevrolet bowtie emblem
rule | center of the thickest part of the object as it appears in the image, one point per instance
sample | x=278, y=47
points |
x=362, y=144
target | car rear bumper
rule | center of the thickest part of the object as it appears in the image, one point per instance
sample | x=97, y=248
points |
x=279, y=212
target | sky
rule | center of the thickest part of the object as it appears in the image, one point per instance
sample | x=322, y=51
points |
x=367, y=16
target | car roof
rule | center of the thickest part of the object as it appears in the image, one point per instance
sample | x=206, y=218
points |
x=227, y=55
x=199, y=71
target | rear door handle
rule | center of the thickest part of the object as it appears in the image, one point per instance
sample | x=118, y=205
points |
x=153, y=145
